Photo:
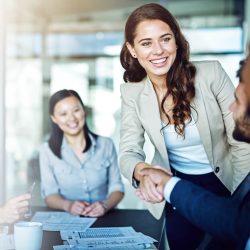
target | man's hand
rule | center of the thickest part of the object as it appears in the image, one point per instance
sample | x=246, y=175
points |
x=14, y=208
x=157, y=177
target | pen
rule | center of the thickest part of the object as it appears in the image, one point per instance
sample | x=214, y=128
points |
x=28, y=214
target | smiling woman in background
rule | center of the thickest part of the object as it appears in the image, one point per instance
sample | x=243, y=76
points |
x=183, y=108
x=79, y=170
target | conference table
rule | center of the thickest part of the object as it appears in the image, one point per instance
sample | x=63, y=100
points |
x=140, y=220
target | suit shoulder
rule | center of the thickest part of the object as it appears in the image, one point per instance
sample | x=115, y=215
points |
x=133, y=86
x=208, y=70
x=132, y=89
x=206, y=65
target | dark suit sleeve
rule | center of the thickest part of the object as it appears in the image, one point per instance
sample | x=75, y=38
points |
x=214, y=214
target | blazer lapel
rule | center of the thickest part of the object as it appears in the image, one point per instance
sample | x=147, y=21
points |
x=200, y=117
x=151, y=118
x=152, y=122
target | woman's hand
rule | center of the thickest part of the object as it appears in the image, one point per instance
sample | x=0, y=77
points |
x=14, y=208
x=96, y=209
x=77, y=207
x=148, y=190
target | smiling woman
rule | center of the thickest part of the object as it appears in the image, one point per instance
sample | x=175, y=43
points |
x=69, y=116
x=154, y=47
x=79, y=170
x=183, y=107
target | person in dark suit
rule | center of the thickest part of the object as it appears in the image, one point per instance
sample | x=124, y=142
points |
x=226, y=219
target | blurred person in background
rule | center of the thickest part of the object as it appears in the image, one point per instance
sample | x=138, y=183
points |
x=183, y=108
x=79, y=169
x=14, y=208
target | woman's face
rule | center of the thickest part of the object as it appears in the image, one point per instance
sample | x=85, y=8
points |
x=154, y=47
x=69, y=115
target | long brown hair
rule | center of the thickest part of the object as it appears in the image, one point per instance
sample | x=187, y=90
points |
x=180, y=78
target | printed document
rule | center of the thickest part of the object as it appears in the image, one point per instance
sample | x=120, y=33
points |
x=107, y=238
x=137, y=247
x=56, y=221
x=98, y=232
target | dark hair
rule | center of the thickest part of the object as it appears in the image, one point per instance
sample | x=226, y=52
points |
x=56, y=137
x=180, y=78
x=239, y=71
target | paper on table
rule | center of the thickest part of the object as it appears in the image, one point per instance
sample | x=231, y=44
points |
x=107, y=238
x=136, y=247
x=98, y=232
x=56, y=221
x=64, y=247
x=95, y=243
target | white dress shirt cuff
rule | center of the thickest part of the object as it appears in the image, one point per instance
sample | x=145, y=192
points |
x=169, y=187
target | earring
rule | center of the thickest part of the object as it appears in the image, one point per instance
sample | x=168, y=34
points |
x=134, y=55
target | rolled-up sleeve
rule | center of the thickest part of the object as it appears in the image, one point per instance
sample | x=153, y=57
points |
x=49, y=184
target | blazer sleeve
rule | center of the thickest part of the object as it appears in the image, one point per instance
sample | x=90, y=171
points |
x=225, y=218
x=131, y=133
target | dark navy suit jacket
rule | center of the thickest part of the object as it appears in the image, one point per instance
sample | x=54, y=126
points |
x=227, y=219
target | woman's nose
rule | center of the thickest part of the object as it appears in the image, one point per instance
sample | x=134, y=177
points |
x=157, y=48
x=71, y=117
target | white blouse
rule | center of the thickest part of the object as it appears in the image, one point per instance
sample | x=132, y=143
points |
x=186, y=155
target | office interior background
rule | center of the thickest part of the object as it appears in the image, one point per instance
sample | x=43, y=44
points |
x=49, y=45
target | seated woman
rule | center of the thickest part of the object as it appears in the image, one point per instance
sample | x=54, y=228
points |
x=79, y=169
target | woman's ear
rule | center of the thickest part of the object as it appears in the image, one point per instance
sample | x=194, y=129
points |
x=131, y=49
x=53, y=119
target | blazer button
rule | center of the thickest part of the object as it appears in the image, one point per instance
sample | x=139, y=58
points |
x=217, y=169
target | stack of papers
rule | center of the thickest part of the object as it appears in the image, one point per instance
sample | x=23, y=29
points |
x=106, y=238
x=56, y=221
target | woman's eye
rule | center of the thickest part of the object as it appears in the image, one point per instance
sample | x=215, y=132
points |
x=146, y=44
x=77, y=110
x=166, y=39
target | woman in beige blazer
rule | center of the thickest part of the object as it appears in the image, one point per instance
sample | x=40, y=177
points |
x=183, y=108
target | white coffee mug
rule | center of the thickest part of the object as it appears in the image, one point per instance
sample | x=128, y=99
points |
x=28, y=235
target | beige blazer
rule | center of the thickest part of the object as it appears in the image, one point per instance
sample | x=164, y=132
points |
x=214, y=93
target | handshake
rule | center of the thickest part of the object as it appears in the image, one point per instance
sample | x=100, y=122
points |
x=152, y=182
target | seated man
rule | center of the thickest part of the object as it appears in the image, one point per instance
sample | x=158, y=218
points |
x=227, y=219
x=14, y=209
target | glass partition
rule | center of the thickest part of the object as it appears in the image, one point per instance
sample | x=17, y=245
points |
x=39, y=64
